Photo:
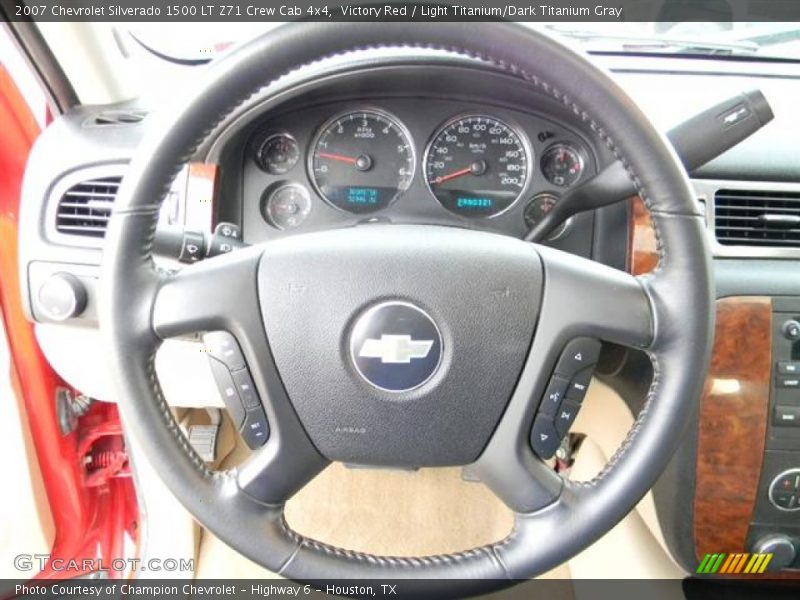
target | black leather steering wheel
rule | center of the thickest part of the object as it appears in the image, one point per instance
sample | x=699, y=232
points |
x=292, y=306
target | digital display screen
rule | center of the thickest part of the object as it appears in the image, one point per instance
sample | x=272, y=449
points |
x=475, y=203
x=362, y=195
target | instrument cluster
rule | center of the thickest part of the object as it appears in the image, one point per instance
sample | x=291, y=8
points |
x=369, y=163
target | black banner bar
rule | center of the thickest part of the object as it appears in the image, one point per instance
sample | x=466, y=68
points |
x=400, y=11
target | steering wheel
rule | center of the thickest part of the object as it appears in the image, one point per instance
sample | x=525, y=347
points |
x=487, y=317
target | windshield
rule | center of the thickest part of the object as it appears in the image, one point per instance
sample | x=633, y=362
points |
x=160, y=57
x=199, y=42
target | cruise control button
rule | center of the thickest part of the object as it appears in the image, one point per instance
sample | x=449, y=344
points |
x=578, y=354
x=255, y=429
x=787, y=416
x=789, y=367
x=246, y=389
x=227, y=389
x=566, y=417
x=222, y=346
x=553, y=395
x=579, y=384
x=544, y=439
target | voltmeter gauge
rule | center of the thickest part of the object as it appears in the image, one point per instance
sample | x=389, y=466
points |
x=562, y=164
x=537, y=209
x=287, y=206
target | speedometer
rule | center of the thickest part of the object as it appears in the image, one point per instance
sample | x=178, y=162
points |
x=477, y=166
x=362, y=161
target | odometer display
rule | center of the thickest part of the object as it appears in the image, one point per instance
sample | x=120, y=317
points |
x=477, y=166
x=362, y=161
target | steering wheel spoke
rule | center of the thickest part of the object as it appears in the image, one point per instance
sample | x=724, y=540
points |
x=220, y=293
x=279, y=469
x=585, y=298
x=581, y=299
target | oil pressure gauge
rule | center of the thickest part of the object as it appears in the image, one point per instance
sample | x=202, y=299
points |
x=278, y=154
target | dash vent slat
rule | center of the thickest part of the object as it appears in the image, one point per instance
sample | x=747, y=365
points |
x=757, y=218
x=116, y=117
x=85, y=208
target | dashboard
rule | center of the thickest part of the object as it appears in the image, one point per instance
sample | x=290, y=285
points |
x=474, y=165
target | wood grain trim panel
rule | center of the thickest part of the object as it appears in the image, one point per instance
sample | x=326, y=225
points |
x=642, y=247
x=201, y=195
x=732, y=425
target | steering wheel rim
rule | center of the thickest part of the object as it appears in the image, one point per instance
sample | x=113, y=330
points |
x=668, y=313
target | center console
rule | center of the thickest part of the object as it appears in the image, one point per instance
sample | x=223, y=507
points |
x=775, y=521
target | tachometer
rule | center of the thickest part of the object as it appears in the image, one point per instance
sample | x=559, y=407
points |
x=362, y=161
x=477, y=166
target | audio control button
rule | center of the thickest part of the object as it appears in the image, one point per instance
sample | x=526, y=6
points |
x=544, y=438
x=787, y=416
x=566, y=417
x=255, y=429
x=246, y=388
x=789, y=367
x=553, y=396
x=579, y=384
x=577, y=355
x=227, y=390
x=222, y=346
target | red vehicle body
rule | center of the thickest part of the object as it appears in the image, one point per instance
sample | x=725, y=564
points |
x=89, y=490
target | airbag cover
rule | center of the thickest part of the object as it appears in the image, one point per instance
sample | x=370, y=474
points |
x=482, y=293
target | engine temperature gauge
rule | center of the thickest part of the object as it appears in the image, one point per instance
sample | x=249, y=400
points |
x=286, y=206
x=562, y=164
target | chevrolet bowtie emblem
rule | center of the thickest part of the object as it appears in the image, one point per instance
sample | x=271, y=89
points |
x=395, y=349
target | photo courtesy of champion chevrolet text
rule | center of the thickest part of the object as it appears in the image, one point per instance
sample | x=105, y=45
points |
x=400, y=299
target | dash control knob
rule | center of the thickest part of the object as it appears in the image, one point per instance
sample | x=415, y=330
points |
x=782, y=550
x=791, y=330
x=62, y=296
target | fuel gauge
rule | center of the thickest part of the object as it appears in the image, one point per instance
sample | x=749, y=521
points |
x=562, y=164
x=287, y=206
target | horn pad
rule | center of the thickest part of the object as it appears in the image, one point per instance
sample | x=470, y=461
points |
x=400, y=345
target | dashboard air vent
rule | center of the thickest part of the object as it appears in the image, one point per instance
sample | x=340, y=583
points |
x=116, y=117
x=757, y=218
x=85, y=208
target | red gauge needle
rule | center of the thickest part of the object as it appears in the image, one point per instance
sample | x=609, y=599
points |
x=448, y=177
x=339, y=157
